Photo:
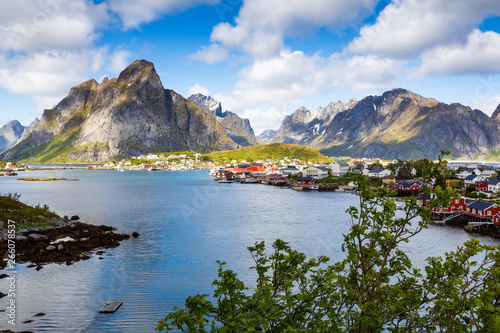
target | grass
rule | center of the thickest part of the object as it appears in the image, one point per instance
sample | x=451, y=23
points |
x=270, y=151
x=11, y=208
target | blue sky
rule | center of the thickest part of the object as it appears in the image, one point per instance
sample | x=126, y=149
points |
x=262, y=59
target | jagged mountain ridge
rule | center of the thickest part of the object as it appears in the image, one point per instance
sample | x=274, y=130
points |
x=238, y=129
x=13, y=132
x=397, y=124
x=122, y=117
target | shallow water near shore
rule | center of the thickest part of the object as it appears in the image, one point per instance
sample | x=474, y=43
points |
x=186, y=222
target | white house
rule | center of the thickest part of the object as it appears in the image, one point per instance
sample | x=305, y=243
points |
x=488, y=173
x=472, y=179
x=494, y=185
x=378, y=173
x=316, y=172
x=339, y=168
x=289, y=170
x=467, y=172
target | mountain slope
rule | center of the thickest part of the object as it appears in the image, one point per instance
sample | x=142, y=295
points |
x=121, y=117
x=237, y=128
x=397, y=124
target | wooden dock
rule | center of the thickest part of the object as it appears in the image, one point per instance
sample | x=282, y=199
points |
x=110, y=307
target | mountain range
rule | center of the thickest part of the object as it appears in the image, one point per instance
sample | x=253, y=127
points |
x=396, y=124
x=134, y=114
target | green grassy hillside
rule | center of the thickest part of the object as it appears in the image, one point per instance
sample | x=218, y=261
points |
x=269, y=151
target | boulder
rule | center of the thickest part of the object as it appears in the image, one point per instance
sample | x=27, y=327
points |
x=21, y=238
x=37, y=237
x=51, y=248
x=60, y=247
x=75, y=218
x=135, y=234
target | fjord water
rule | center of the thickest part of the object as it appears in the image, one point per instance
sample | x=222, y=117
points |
x=186, y=222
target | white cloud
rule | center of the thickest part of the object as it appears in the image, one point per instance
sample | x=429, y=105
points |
x=265, y=118
x=134, y=13
x=365, y=73
x=262, y=25
x=47, y=76
x=407, y=27
x=211, y=54
x=28, y=26
x=198, y=89
x=480, y=54
x=291, y=76
x=488, y=105
x=119, y=60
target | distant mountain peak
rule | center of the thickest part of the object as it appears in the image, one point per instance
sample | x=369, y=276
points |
x=239, y=129
x=266, y=135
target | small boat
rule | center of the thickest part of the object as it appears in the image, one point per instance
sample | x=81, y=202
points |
x=264, y=182
x=250, y=181
x=314, y=188
x=224, y=181
x=297, y=188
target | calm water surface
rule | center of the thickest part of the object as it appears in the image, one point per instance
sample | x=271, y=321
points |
x=186, y=222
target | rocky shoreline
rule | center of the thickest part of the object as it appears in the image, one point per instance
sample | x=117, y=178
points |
x=67, y=243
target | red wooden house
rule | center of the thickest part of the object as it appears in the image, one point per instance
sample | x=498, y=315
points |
x=482, y=186
x=456, y=205
x=483, y=209
x=496, y=219
x=305, y=181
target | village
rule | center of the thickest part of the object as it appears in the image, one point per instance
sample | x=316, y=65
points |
x=476, y=184
x=471, y=182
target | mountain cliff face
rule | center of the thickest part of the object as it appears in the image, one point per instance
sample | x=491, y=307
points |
x=397, y=124
x=237, y=128
x=122, y=117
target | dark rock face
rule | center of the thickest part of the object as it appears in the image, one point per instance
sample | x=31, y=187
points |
x=238, y=129
x=397, y=124
x=127, y=116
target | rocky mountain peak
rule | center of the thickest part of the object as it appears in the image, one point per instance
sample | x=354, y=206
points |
x=140, y=72
x=238, y=129
x=208, y=104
